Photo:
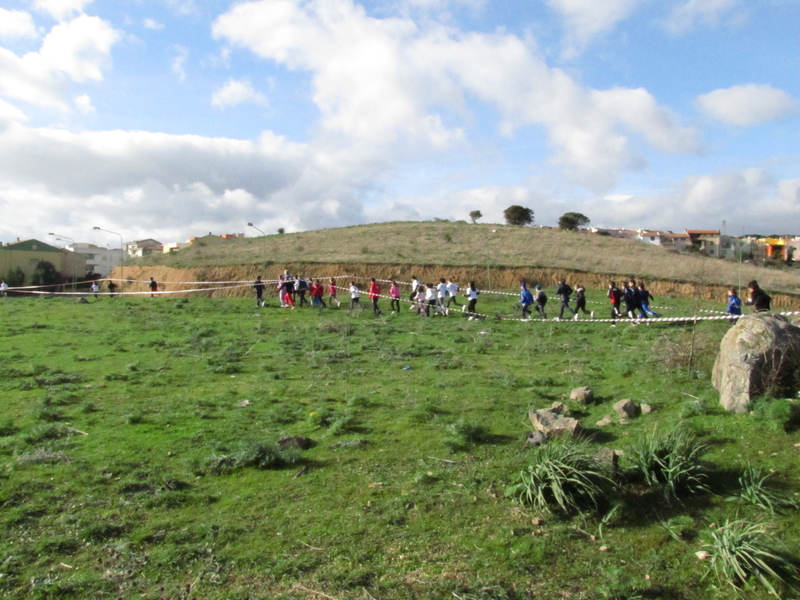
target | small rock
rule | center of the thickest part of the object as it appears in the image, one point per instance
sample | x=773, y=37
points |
x=536, y=438
x=560, y=408
x=243, y=403
x=584, y=395
x=702, y=554
x=537, y=521
x=646, y=409
x=604, y=549
x=623, y=421
x=296, y=441
x=83, y=301
x=605, y=421
x=608, y=461
x=627, y=408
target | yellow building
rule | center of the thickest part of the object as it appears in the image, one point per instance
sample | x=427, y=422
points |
x=27, y=254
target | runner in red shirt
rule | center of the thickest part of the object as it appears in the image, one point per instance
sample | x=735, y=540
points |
x=374, y=295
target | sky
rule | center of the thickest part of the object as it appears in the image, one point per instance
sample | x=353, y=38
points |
x=175, y=118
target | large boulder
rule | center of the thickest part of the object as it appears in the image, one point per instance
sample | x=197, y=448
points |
x=760, y=355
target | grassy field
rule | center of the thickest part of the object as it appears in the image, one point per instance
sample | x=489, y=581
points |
x=462, y=244
x=139, y=458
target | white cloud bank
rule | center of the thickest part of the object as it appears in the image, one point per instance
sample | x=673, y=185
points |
x=747, y=105
x=16, y=24
x=61, y=9
x=691, y=14
x=586, y=19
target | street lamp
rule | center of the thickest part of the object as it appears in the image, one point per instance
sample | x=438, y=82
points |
x=122, y=254
x=265, y=241
x=64, y=238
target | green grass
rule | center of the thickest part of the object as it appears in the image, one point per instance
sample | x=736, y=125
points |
x=139, y=455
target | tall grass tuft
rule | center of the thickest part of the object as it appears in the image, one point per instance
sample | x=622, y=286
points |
x=757, y=491
x=562, y=476
x=464, y=434
x=741, y=550
x=670, y=463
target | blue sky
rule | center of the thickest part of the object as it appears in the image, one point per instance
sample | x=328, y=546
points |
x=177, y=118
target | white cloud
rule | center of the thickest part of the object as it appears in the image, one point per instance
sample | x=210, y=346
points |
x=747, y=105
x=388, y=83
x=80, y=48
x=61, y=9
x=84, y=104
x=236, y=92
x=152, y=24
x=586, y=19
x=9, y=112
x=179, y=62
x=690, y=14
x=16, y=24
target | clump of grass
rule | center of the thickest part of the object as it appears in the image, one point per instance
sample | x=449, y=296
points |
x=135, y=418
x=780, y=414
x=695, y=408
x=253, y=453
x=343, y=422
x=562, y=476
x=89, y=407
x=7, y=427
x=45, y=431
x=741, y=550
x=464, y=434
x=670, y=463
x=43, y=456
x=756, y=490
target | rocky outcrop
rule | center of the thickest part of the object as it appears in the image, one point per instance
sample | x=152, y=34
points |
x=583, y=394
x=627, y=409
x=759, y=356
x=551, y=423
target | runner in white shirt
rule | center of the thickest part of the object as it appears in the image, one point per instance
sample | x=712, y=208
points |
x=414, y=289
x=441, y=292
x=355, y=299
x=452, y=292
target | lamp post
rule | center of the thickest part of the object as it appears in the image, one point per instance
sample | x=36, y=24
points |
x=265, y=241
x=64, y=238
x=121, y=256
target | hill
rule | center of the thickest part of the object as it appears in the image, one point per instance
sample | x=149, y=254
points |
x=462, y=244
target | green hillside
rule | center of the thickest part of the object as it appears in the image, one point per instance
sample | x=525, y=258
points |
x=463, y=244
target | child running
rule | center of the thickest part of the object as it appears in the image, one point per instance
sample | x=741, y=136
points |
x=355, y=298
x=541, y=300
x=419, y=295
x=525, y=299
x=452, y=292
x=644, y=301
x=472, y=296
x=430, y=300
x=332, y=293
x=615, y=297
x=580, y=301
x=415, y=284
x=734, y=305
x=441, y=292
x=374, y=295
x=394, y=292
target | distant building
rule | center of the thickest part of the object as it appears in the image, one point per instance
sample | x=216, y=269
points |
x=98, y=259
x=172, y=247
x=672, y=241
x=27, y=254
x=141, y=248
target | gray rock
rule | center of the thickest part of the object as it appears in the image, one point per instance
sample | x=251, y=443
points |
x=584, y=395
x=536, y=438
x=646, y=409
x=761, y=353
x=296, y=441
x=605, y=421
x=560, y=408
x=608, y=461
x=551, y=423
x=627, y=409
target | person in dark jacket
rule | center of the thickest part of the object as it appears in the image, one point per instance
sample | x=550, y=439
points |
x=759, y=299
x=564, y=292
x=540, y=298
x=259, y=286
x=580, y=301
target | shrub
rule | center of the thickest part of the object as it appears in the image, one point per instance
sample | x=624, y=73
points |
x=463, y=434
x=7, y=428
x=253, y=453
x=670, y=463
x=740, y=550
x=562, y=476
x=779, y=414
x=45, y=431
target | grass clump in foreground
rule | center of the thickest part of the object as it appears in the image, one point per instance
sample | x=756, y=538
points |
x=670, y=463
x=561, y=476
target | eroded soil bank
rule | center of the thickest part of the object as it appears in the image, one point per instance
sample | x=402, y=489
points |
x=171, y=279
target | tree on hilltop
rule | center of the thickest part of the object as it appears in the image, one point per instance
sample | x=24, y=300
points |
x=572, y=221
x=475, y=215
x=518, y=215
